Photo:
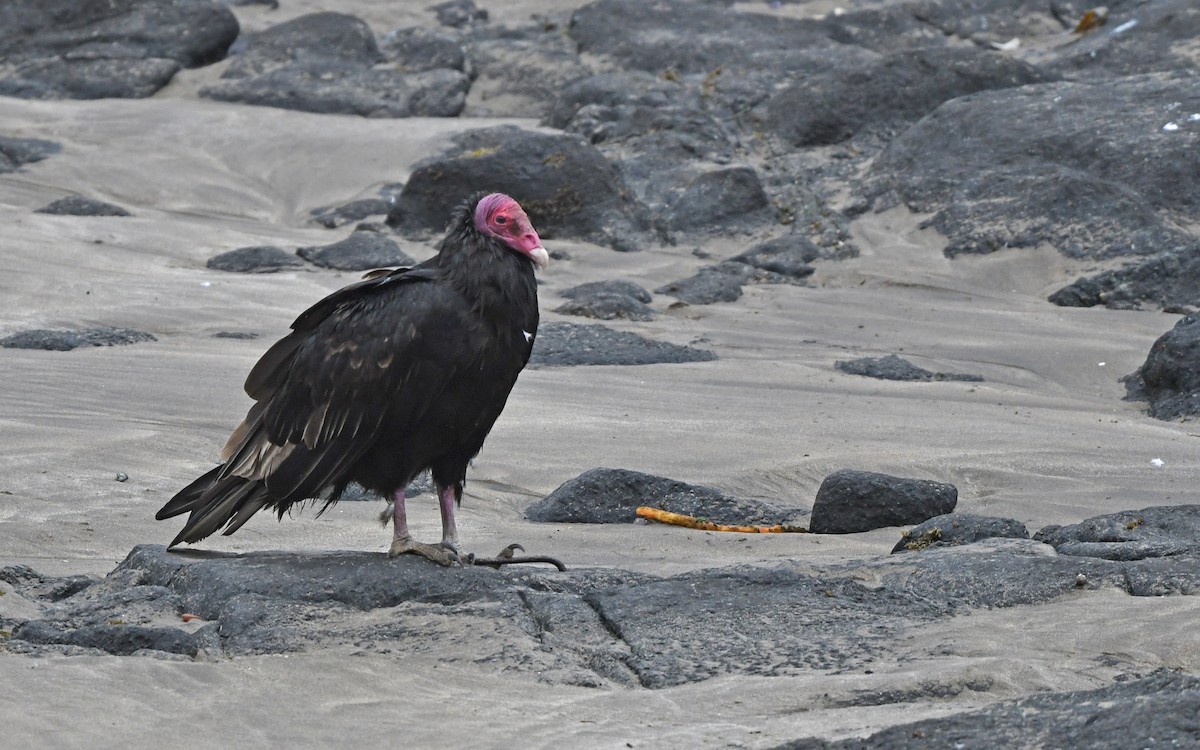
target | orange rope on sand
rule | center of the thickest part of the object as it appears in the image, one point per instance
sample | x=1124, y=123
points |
x=691, y=522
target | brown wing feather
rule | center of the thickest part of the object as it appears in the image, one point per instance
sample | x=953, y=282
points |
x=322, y=393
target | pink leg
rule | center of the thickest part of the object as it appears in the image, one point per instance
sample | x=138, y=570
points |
x=404, y=544
x=447, y=498
x=399, y=519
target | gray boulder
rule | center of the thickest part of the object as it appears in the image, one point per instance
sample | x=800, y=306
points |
x=1169, y=379
x=53, y=49
x=17, y=152
x=607, y=306
x=1095, y=169
x=1167, y=280
x=1156, y=711
x=565, y=185
x=62, y=341
x=417, y=50
x=1160, y=531
x=954, y=529
x=613, y=495
x=689, y=37
x=327, y=63
x=896, y=89
x=1139, y=37
x=257, y=259
x=850, y=501
x=892, y=367
x=591, y=288
x=720, y=199
x=607, y=300
x=361, y=251
x=574, y=344
x=78, y=205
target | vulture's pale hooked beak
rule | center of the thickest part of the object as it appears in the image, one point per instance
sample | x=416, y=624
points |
x=540, y=256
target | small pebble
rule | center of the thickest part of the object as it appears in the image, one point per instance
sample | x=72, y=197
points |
x=122, y=477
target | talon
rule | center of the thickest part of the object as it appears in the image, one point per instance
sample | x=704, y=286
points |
x=507, y=552
x=442, y=554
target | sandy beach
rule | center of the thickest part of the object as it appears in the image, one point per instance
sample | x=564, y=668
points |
x=1045, y=438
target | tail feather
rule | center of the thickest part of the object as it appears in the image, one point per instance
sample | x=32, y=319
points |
x=186, y=499
x=214, y=501
x=219, y=505
x=248, y=508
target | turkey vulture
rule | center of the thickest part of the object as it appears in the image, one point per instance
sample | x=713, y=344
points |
x=404, y=371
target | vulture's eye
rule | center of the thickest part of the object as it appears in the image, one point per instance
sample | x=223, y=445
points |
x=502, y=219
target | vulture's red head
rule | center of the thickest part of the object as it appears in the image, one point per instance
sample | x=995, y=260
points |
x=497, y=215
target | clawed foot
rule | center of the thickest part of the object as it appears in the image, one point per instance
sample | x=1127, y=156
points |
x=442, y=554
x=506, y=557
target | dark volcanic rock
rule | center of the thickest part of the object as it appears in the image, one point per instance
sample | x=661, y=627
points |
x=1170, y=377
x=958, y=528
x=719, y=283
x=361, y=251
x=783, y=260
x=458, y=13
x=627, y=90
x=571, y=344
x=35, y=585
x=258, y=259
x=592, y=288
x=332, y=217
x=1160, y=531
x=61, y=341
x=689, y=37
x=849, y=501
x=613, y=495
x=723, y=282
x=607, y=306
x=1095, y=169
x=745, y=611
x=206, y=581
x=721, y=199
x=789, y=255
x=901, y=87
x=77, y=205
x=521, y=74
x=51, y=49
x=1170, y=279
x=17, y=152
x=893, y=367
x=607, y=300
x=566, y=186
x=418, y=49
x=1000, y=572
x=326, y=62
x=582, y=627
x=1157, y=711
x=1140, y=37
x=319, y=37
x=119, y=639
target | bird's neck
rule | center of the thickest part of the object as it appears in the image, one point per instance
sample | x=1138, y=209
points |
x=500, y=283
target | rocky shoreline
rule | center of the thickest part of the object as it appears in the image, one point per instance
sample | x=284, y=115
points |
x=695, y=167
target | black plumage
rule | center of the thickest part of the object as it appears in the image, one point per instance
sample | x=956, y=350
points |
x=404, y=371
